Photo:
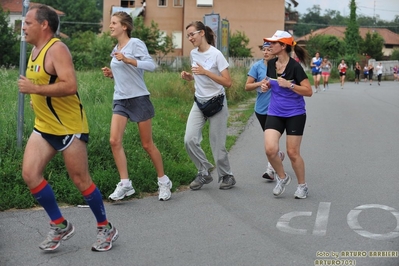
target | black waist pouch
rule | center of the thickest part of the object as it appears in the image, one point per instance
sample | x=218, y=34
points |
x=212, y=106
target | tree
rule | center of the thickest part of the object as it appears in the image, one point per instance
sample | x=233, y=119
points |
x=352, y=35
x=100, y=5
x=90, y=50
x=326, y=45
x=79, y=15
x=9, y=42
x=334, y=17
x=238, y=45
x=157, y=43
x=309, y=22
x=372, y=45
x=313, y=20
x=80, y=46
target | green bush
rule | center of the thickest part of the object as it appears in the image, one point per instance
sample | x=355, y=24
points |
x=100, y=50
x=350, y=75
x=90, y=51
x=395, y=54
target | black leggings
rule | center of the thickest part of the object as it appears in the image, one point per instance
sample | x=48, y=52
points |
x=262, y=120
x=293, y=125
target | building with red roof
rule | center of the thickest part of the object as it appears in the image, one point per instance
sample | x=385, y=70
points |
x=15, y=8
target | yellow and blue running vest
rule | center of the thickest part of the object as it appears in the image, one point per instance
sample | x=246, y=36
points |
x=54, y=115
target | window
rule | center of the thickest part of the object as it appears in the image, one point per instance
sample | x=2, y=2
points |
x=17, y=26
x=125, y=3
x=162, y=2
x=177, y=39
x=204, y=3
x=178, y=3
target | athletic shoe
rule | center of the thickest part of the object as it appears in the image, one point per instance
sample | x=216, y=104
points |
x=55, y=236
x=301, y=192
x=201, y=180
x=164, y=190
x=228, y=182
x=269, y=174
x=105, y=237
x=122, y=191
x=281, y=183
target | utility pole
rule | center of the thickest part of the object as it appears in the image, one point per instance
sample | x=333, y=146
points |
x=22, y=69
x=375, y=20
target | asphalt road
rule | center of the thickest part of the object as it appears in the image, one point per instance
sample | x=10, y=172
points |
x=351, y=216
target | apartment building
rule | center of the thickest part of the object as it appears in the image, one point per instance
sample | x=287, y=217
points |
x=256, y=18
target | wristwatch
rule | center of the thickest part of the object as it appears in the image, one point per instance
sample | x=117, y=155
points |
x=292, y=86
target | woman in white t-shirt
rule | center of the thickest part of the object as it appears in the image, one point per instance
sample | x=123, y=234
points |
x=210, y=72
x=379, y=72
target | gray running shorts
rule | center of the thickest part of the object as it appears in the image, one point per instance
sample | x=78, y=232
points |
x=136, y=109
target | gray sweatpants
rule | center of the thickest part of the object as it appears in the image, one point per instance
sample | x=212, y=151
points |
x=217, y=137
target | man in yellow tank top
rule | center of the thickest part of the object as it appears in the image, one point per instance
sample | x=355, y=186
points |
x=60, y=126
x=60, y=113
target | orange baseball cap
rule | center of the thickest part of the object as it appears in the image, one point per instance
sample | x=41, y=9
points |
x=281, y=36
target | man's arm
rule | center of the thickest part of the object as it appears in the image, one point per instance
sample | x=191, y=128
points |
x=58, y=62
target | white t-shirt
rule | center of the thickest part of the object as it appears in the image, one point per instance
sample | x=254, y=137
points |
x=379, y=69
x=214, y=61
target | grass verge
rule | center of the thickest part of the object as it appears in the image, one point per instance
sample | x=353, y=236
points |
x=172, y=98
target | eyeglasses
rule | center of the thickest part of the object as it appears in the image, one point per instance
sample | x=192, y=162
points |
x=191, y=34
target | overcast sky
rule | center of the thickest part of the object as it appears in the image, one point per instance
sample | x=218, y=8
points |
x=386, y=9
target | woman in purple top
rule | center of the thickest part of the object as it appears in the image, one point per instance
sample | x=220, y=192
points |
x=289, y=84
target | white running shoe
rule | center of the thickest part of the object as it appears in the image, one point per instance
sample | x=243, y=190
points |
x=122, y=191
x=106, y=236
x=164, y=190
x=281, y=183
x=269, y=174
x=301, y=191
x=57, y=234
